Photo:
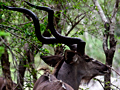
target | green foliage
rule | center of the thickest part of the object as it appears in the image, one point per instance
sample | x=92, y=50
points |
x=93, y=46
x=44, y=52
x=1, y=50
x=71, y=11
x=2, y=33
x=1, y=5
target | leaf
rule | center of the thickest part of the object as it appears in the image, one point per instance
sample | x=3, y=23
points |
x=27, y=65
x=1, y=50
x=96, y=8
x=2, y=33
x=81, y=32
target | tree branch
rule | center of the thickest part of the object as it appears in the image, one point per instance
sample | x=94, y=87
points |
x=74, y=25
x=103, y=82
x=100, y=11
x=115, y=10
x=106, y=25
x=112, y=26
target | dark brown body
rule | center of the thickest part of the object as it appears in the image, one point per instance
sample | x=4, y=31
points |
x=49, y=82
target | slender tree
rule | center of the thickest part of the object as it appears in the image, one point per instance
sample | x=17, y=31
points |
x=109, y=42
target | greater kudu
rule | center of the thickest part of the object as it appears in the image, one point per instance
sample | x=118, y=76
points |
x=73, y=67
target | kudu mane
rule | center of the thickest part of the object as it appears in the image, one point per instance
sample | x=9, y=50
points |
x=57, y=67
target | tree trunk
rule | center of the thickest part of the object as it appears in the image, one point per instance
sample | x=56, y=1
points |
x=6, y=70
x=108, y=46
x=30, y=57
x=109, y=52
x=21, y=70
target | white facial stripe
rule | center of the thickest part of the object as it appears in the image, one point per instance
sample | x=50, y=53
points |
x=93, y=60
x=75, y=59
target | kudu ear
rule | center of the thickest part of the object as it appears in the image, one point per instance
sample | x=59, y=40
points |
x=51, y=60
x=70, y=57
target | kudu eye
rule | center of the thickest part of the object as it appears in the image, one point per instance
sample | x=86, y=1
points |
x=88, y=59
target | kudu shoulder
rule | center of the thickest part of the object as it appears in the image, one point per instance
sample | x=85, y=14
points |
x=50, y=82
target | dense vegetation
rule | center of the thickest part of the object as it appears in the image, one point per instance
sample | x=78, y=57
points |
x=73, y=18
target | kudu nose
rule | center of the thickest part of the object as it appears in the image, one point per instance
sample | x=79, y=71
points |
x=104, y=68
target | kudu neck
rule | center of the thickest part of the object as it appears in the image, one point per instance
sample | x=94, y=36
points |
x=69, y=74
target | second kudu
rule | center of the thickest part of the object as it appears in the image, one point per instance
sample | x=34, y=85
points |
x=71, y=68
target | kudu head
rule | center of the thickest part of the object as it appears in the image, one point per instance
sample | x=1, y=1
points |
x=74, y=66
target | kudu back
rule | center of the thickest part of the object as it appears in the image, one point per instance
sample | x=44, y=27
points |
x=50, y=82
x=71, y=68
